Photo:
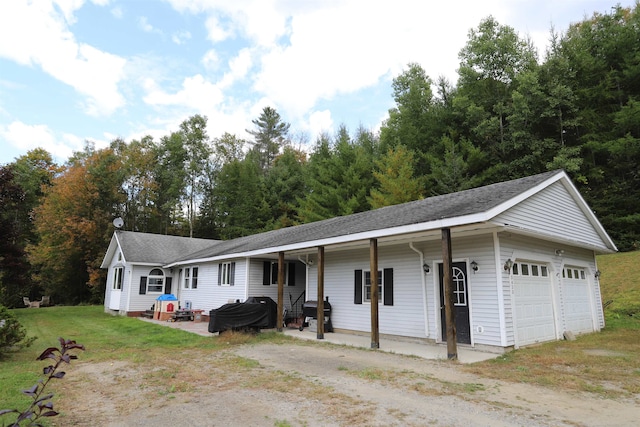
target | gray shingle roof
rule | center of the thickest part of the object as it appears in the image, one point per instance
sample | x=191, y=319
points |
x=158, y=248
x=447, y=206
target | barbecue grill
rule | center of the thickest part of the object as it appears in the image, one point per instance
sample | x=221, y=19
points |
x=310, y=310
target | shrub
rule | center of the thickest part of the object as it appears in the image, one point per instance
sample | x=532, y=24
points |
x=12, y=334
x=42, y=406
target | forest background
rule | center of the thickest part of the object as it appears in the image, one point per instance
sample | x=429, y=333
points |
x=509, y=115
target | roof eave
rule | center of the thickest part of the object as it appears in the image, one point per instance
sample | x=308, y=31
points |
x=347, y=239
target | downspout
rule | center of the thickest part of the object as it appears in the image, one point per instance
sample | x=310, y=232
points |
x=128, y=297
x=246, y=278
x=424, y=289
x=500, y=289
x=307, y=264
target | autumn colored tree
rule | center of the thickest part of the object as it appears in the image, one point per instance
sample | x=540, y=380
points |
x=74, y=226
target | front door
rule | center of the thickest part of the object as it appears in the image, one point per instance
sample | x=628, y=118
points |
x=460, y=302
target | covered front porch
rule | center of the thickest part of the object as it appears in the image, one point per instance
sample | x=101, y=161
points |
x=407, y=347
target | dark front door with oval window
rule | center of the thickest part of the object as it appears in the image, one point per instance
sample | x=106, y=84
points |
x=460, y=302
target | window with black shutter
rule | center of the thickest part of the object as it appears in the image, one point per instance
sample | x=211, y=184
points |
x=362, y=286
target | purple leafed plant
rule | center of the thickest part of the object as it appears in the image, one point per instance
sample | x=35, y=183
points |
x=42, y=406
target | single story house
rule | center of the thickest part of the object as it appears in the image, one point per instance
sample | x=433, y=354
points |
x=520, y=257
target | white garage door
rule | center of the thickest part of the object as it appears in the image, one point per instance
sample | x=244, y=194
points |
x=535, y=321
x=577, y=300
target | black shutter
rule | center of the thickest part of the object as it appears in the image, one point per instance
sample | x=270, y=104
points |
x=219, y=274
x=167, y=285
x=194, y=277
x=266, y=273
x=143, y=285
x=232, y=275
x=292, y=273
x=388, y=286
x=357, y=299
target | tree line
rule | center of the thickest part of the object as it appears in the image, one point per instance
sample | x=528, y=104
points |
x=509, y=115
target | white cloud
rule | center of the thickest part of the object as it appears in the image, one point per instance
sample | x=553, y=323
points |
x=144, y=25
x=215, y=30
x=239, y=66
x=180, y=37
x=39, y=36
x=210, y=60
x=117, y=12
x=196, y=94
x=319, y=122
x=28, y=137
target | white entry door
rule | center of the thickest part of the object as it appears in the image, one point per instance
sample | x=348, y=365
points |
x=533, y=302
x=117, y=277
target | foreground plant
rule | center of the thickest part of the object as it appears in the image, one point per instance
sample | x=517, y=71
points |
x=42, y=406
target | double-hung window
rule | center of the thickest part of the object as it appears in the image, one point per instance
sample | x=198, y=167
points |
x=118, y=272
x=191, y=278
x=226, y=273
x=367, y=286
x=362, y=286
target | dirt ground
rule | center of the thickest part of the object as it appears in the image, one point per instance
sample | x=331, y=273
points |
x=315, y=385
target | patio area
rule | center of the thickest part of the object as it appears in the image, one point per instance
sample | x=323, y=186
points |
x=407, y=347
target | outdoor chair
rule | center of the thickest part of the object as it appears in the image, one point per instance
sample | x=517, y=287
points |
x=30, y=304
x=45, y=301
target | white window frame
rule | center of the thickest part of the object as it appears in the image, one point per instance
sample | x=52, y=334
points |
x=530, y=269
x=118, y=273
x=366, y=286
x=190, y=277
x=274, y=273
x=225, y=278
x=155, y=281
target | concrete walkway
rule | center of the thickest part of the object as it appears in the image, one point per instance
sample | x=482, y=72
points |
x=410, y=348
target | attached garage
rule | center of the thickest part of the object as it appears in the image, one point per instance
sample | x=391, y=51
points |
x=533, y=302
x=576, y=296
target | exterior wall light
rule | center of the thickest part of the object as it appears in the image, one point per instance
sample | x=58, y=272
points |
x=508, y=264
x=426, y=268
x=474, y=266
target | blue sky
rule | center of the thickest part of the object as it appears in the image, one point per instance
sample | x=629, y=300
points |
x=74, y=70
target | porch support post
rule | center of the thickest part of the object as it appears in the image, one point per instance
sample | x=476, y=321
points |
x=280, y=291
x=449, y=315
x=320, y=307
x=373, y=265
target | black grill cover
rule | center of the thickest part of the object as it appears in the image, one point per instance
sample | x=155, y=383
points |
x=257, y=312
x=310, y=309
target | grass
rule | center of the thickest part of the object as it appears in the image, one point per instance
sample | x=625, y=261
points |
x=106, y=338
x=605, y=363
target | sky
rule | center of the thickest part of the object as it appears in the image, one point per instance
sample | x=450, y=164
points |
x=95, y=70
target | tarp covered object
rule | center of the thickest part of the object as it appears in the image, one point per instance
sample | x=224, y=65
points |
x=257, y=313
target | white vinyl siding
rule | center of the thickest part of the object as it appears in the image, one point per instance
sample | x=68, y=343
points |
x=143, y=302
x=552, y=212
x=209, y=295
x=484, y=311
x=291, y=293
